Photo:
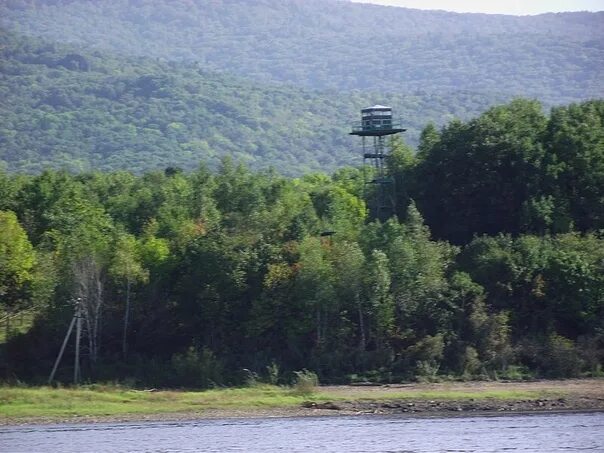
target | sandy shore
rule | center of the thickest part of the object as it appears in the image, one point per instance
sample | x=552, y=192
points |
x=584, y=395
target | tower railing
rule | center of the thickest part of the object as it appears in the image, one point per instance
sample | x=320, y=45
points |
x=359, y=127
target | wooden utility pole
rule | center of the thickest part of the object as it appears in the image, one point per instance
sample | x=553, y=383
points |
x=60, y=356
x=76, y=320
x=76, y=366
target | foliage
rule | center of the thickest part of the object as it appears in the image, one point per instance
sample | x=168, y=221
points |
x=305, y=382
x=17, y=259
x=145, y=114
x=196, y=369
x=511, y=170
x=561, y=357
x=156, y=84
x=199, y=275
x=331, y=45
x=477, y=177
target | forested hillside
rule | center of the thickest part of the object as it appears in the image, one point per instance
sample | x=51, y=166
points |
x=253, y=259
x=329, y=44
x=142, y=85
x=189, y=279
x=91, y=110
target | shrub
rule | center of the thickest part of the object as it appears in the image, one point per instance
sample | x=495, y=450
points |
x=427, y=354
x=250, y=378
x=516, y=373
x=305, y=382
x=426, y=371
x=197, y=370
x=591, y=350
x=561, y=358
x=272, y=372
x=471, y=362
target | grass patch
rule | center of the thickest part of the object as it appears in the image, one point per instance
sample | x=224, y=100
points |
x=18, y=402
x=451, y=395
x=99, y=400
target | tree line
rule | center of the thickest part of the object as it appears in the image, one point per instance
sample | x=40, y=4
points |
x=493, y=266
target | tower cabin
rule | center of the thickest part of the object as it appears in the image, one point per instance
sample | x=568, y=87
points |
x=376, y=121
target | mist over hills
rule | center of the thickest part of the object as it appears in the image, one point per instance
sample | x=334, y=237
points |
x=282, y=78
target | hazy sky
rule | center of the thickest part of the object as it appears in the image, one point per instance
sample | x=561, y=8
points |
x=518, y=7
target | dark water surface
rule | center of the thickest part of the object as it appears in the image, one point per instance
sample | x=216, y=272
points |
x=532, y=433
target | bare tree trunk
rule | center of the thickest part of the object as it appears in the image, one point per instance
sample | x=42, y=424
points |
x=8, y=314
x=363, y=341
x=76, y=366
x=89, y=288
x=88, y=330
x=60, y=356
x=126, y=316
x=97, y=312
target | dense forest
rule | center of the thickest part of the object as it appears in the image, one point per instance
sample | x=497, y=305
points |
x=142, y=85
x=94, y=111
x=329, y=44
x=182, y=170
x=493, y=266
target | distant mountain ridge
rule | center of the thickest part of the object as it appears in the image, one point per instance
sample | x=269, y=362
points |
x=144, y=84
x=96, y=111
x=330, y=44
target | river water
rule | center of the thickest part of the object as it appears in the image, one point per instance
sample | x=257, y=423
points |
x=525, y=433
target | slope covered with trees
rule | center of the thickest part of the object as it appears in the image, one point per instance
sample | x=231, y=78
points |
x=89, y=110
x=187, y=279
x=142, y=85
x=330, y=44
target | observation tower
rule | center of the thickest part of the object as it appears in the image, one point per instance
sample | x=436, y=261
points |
x=377, y=123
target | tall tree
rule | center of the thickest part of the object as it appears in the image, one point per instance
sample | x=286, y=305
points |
x=126, y=266
x=315, y=280
x=575, y=166
x=379, y=298
x=419, y=276
x=479, y=175
x=349, y=267
x=17, y=259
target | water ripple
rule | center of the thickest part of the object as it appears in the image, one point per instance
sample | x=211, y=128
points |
x=534, y=433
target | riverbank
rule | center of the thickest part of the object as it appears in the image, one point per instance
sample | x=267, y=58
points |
x=109, y=404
